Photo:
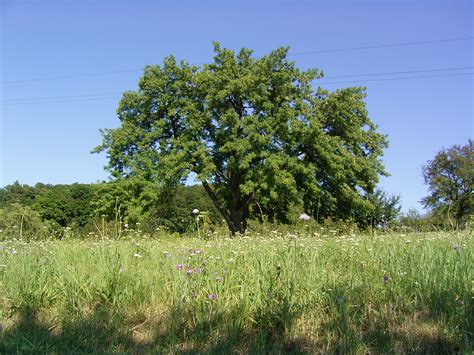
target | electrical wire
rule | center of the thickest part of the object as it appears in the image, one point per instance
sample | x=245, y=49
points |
x=382, y=46
x=388, y=79
x=70, y=76
x=58, y=101
x=397, y=72
x=57, y=97
x=289, y=55
x=333, y=82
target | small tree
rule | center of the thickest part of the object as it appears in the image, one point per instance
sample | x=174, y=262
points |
x=251, y=130
x=384, y=210
x=450, y=179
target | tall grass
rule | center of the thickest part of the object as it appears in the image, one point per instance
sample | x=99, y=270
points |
x=278, y=292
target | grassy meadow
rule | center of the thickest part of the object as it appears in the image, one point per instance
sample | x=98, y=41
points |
x=308, y=292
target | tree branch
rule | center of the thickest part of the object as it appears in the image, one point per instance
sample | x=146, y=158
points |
x=218, y=205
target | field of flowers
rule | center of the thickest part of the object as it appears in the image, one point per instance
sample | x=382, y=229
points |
x=268, y=292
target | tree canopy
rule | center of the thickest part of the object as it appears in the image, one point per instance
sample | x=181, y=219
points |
x=450, y=180
x=251, y=130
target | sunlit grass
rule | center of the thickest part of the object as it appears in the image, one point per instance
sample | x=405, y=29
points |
x=256, y=293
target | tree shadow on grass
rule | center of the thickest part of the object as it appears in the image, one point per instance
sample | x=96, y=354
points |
x=424, y=331
x=107, y=330
x=86, y=334
x=229, y=331
x=412, y=340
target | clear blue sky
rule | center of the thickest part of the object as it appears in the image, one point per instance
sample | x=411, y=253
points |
x=50, y=142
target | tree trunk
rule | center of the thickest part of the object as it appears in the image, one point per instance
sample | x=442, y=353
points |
x=220, y=208
x=239, y=221
x=235, y=216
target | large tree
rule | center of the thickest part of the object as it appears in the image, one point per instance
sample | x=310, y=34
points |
x=450, y=180
x=252, y=130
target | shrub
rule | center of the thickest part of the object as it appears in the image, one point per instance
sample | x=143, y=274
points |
x=21, y=222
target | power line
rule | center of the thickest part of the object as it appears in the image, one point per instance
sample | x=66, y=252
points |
x=383, y=46
x=289, y=54
x=58, y=97
x=48, y=99
x=403, y=78
x=70, y=76
x=58, y=101
x=397, y=72
x=333, y=82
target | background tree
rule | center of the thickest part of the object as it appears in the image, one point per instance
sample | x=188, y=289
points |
x=17, y=193
x=54, y=205
x=124, y=200
x=83, y=206
x=63, y=205
x=385, y=209
x=174, y=211
x=450, y=180
x=251, y=130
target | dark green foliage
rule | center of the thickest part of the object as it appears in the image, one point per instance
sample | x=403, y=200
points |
x=450, y=179
x=62, y=205
x=84, y=206
x=17, y=193
x=382, y=212
x=54, y=205
x=82, y=196
x=174, y=210
x=343, y=148
x=255, y=133
x=127, y=201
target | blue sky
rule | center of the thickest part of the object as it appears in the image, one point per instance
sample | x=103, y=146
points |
x=51, y=141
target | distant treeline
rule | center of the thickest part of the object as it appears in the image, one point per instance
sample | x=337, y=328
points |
x=86, y=207
x=44, y=210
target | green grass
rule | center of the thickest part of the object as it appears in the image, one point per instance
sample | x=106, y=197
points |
x=273, y=293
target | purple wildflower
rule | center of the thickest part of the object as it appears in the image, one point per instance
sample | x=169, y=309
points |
x=212, y=296
x=386, y=278
x=304, y=217
x=179, y=266
x=189, y=272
